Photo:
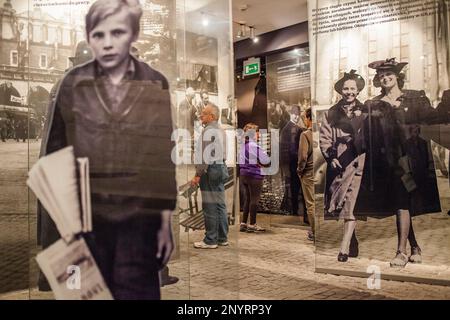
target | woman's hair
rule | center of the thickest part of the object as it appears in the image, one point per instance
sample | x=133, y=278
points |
x=400, y=80
x=250, y=129
x=308, y=114
x=251, y=126
x=352, y=75
x=102, y=9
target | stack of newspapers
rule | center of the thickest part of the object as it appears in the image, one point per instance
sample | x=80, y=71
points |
x=64, y=192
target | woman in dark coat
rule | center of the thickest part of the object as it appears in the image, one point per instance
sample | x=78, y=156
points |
x=399, y=176
x=341, y=143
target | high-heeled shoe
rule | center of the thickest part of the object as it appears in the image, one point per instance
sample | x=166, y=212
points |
x=342, y=257
x=416, y=255
x=354, y=247
x=400, y=260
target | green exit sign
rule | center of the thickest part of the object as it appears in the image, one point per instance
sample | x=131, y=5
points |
x=251, y=67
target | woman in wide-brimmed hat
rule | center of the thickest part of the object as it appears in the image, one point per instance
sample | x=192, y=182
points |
x=399, y=177
x=341, y=145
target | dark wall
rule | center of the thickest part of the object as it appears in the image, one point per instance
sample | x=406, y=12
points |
x=245, y=95
x=270, y=42
x=251, y=107
x=252, y=100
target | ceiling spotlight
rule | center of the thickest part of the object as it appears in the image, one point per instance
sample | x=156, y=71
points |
x=205, y=20
x=241, y=32
x=252, y=35
x=252, y=32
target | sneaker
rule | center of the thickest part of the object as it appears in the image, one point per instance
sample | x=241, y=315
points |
x=243, y=227
x=255, y=228
x=223, y=244
x=203, y=245
x=310, y=236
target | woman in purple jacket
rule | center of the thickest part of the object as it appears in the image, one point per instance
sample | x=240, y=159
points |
x=251, y=158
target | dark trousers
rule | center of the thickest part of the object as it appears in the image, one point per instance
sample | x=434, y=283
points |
x=295, y=186
x=126, y=255
x=252, y=190
x=3, y=133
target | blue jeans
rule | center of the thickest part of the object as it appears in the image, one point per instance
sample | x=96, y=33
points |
x=213, y=203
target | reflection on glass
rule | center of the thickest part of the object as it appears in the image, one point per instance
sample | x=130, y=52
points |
x=380, y=164
x=288, y=96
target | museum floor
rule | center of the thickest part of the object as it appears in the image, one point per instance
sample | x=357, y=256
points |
x=278, y=264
